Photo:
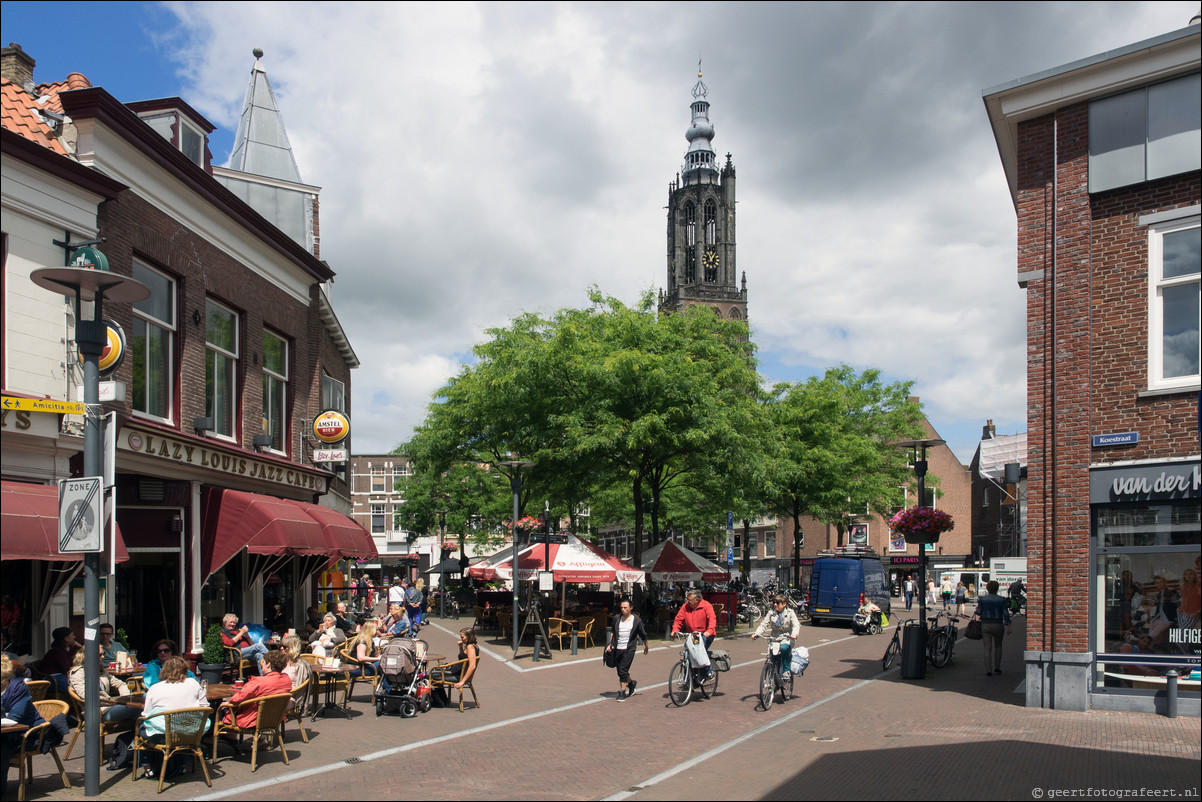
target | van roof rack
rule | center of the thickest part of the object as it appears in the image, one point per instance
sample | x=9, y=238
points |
x=849, y=550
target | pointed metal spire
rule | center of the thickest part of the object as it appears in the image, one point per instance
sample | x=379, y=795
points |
x=261, y=145
x=700, y=163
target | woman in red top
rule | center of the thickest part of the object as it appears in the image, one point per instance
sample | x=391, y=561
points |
x=271, y=680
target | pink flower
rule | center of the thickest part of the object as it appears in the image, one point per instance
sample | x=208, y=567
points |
x=925, y=521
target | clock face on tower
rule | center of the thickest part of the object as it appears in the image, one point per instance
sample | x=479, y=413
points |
x=710, y=259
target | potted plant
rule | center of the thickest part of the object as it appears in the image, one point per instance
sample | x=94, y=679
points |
x=921, y=525
x=212, y=663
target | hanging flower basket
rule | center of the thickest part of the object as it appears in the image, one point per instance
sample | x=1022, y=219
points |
x=525, y=525
x=921, y=525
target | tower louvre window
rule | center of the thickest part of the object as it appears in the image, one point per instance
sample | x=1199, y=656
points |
x=690, y=240
x=711, y=222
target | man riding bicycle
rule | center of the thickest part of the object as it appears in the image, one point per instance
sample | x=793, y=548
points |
x=779, y=622
x=697, y=615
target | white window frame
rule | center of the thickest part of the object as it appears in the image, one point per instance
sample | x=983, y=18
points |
x=185, y=125
x=171, y=328
x=232, y=434
x=282, y=378
x=379, y=517
x=378, y=475
x=1158, y=226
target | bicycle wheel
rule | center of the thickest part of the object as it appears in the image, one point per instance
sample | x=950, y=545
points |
x=939, y=650
x=947, y=646
x=680, y=684
x=786, y=691
x=891, y=653
x=709, y=685
x=767, y=684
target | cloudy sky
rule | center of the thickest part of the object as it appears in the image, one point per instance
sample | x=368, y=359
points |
x=480, y=160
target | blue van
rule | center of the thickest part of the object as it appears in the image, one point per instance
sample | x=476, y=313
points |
x=840, y=582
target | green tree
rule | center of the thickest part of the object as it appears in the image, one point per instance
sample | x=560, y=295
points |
x=831, y=451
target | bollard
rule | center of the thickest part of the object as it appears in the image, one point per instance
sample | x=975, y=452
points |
x=1171, y=702
x=574, y=635
x=538, y=646
x=667, y=631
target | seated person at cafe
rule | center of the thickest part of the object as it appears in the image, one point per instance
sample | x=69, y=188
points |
x=326, y=640
x=109, y=688
x=271, y=680
x=163, y=650
x=312, y=622
x=239, y=639
x=18, y=706
x=109, y=646
x=297, y=669
x=275, y=620
x=56, y=663
x=395, y=623
x=361, y=648
x=175, y=689
x=342, y=619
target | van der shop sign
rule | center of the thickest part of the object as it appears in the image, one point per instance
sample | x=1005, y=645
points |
x=212, y=459
x=1160, y=482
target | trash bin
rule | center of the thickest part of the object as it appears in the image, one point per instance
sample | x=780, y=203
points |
x=914, y=656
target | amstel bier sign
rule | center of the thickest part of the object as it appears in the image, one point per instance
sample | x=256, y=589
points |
x=331, y=426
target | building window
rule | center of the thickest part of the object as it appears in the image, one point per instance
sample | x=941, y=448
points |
x=275, y=389
x=690, y=243
x=221, y=368
x=192, y=142
x=399, y=470
x=152, y=346
x=711, y=222
x=1175, y=262
x=1149, y=133
x=377, y=519
x=377, y=479
x=333, y=394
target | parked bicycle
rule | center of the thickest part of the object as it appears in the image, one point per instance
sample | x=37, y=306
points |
x=776, y=674
x=894, y=649
x=683, y=679
x=941, y=641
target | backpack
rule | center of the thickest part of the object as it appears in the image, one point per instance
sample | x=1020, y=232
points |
x=122, y=756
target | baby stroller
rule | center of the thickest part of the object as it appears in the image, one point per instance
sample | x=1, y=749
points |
x=403, y=670
x=869, y=619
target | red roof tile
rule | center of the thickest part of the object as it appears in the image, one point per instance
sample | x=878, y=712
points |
x=19, y=114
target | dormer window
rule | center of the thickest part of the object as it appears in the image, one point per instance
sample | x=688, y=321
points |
x=192, y=143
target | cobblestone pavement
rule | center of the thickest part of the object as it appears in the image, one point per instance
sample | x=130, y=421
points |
x=552, y=730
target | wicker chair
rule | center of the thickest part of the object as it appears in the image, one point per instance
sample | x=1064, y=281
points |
x=298, y=708
x=239, y=665
x=504, y=621
x=31, y=744
x=183, y=731
x=559, y=628
x=585, y=632
x=439, y=679
x=39, y=689
x=269, y=721
x=348, y=658
x=106, y=727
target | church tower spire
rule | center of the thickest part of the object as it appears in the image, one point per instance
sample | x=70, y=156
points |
x=701, y=224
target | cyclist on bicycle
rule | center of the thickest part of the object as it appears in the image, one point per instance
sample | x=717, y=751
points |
x=697, y=615
x=780, y=621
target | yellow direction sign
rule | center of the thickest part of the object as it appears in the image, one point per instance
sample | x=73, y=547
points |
x=42, y=405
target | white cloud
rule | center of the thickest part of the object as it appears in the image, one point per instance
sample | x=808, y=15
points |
x=478, y=160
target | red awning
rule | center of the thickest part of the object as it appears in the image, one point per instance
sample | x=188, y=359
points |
x=263, y=525
x=29, y=514
x=344, y=535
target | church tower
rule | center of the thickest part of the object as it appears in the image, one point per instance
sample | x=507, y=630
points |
x=701, y=225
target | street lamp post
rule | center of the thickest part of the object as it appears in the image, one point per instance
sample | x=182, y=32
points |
x=442, y=577
x=917, y=668
x=515, y=484
x=89, y=279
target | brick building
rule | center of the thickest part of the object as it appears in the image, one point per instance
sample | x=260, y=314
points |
x=1102, y=159
x=217, y=502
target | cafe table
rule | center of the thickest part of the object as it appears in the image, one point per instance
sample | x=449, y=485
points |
x=329, y=679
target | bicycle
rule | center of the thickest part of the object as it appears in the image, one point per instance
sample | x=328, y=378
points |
x=683, y=680
x=895, y=645
x=942, y=639
x=776, y=674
